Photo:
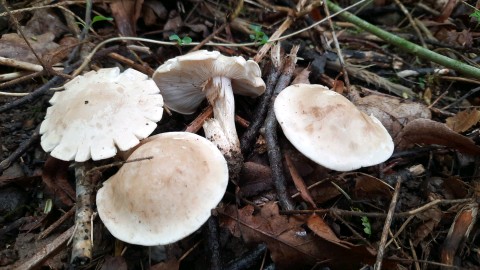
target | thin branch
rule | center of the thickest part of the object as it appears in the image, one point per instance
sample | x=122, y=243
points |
x=386, y=226
x=405, y=44
x=271, y=126
x=376, y=214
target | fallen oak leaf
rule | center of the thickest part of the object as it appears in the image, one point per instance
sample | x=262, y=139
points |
x=290, y=245
x=463, y=120
x=394, y=113
x=432, y=132
x=321, y=228
x=54, y=175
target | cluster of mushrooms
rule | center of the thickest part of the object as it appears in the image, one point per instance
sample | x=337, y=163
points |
x=105, y=111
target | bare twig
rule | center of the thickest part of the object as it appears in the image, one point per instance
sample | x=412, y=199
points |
x=196, y=124
x=271, y=125
x=406, y=45
x=212, y=244
x=249, y=259
x=375, y=215
x=19, y=29
x=33, y=95
x=337, y=46
x=412, y=22
x=35, y=261
x=386, y=226
x=249, y=136
x=145, y=69
x=57, y=223
x=19, y=151
x=55, y=81
x=282, y=28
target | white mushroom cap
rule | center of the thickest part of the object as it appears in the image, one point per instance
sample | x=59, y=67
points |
x=327, y=128
x=164, y=199
x=100, y=111
x=182, y=79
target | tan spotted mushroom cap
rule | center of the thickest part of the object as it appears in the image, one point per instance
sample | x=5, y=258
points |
x=327, y=128
x=164, y=199
x=99, y=112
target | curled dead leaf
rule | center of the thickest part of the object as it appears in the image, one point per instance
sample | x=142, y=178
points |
x=432, y=132
x=463, y=120
x=290, y=245
x=302, y=76
x=394, y=113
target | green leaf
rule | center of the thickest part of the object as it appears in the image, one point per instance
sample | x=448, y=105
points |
x=100, y=18
x=476, y=16
x=264, y=40
x=367, y=227
x=174, y=37
x=256, y=28
x=186, y=40
x=48, y=206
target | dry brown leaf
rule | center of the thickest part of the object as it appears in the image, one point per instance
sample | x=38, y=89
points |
x=430, y=219
x=324, y=192
x=254, y=178
x=54, y=175
x=454, y=188
x=44, y=21
x=321, y=228
x=13, y=46
x=459, y=231
x=114, y=263
x=455, y=38
x=171, y=264
x=446, y=10
x=394, y=113
x=463, y=120
x=431, y=132
x=126, y=14
x=302, y=76
x=369, y=187
x=173, y=23
x=152, y=10
x=290, y=245
x=299, y=183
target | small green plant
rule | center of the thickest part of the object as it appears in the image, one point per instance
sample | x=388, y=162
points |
x=476, y=16
x=95, y=19
x=181, y=41
x=258, y=35
x=367, y=227
x=100, y=18
x=476, y=13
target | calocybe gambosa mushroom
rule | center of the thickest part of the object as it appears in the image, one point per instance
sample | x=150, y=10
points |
x=327, y=128
x=161, y=200
x=188, y=79
x=97, y=113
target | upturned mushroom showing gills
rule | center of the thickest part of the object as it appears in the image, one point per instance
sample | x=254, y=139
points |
x=99, y=112
x=327, y=128
x=186, y=80
x=166, y=198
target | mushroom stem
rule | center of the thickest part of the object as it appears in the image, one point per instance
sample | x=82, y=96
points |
x=221, y=129
x=82, y=242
